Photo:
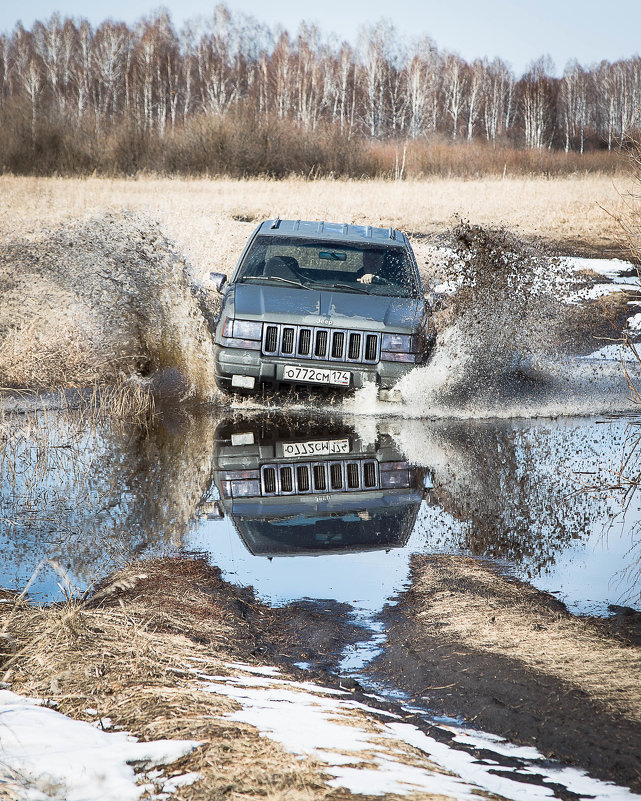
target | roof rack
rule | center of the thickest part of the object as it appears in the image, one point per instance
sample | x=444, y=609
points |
x=276, y=223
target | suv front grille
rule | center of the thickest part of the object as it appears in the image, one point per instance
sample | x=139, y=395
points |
x=314, y=477
x=329, y=344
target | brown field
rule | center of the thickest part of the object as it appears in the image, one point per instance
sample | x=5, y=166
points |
x=67, y=244
x=574, y=212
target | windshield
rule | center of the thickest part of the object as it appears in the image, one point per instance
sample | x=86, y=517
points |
x=366, y=269
x=342, y=531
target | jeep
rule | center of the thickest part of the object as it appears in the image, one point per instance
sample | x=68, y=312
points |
x=313, y=488
x=321, y=304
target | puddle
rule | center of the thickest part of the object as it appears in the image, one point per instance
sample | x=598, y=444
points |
x=326, y=509
x=332, y=510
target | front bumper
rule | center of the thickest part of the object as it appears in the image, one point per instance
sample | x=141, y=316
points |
x=268, y=370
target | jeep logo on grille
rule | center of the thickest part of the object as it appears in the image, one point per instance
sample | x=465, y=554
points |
x=322, y=321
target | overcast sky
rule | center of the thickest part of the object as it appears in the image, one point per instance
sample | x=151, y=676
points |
x=516, y=31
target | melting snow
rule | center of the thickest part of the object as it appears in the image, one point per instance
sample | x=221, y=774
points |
x=369, y=758
x=50, y=756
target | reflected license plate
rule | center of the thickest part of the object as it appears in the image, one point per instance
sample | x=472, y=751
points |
x=316, y=375
x=318, y=447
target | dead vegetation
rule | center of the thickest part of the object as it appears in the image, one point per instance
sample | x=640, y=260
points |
x=210, y=219
x=463, y=600
x=126, y=659
x=127, y=655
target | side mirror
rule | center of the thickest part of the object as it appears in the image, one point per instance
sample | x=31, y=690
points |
x=218, y=281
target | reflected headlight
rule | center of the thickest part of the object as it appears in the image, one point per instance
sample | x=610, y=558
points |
x=239, y=483
x=395, y=478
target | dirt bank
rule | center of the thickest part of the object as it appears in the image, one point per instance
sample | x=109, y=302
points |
x=464, y=640
x=122, y=660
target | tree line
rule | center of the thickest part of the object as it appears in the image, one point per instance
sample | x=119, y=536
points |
x=230, y=94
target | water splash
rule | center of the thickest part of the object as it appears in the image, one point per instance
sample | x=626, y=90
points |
x=510, y=340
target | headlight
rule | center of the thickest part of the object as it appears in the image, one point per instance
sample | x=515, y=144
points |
x=245, y=329
x=242, y=334
x=386, y=356
x=403, y=343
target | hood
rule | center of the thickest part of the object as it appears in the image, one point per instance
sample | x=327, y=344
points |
x=285, y=304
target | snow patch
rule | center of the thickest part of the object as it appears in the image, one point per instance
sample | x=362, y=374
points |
x=56, y=757
x=367, y=756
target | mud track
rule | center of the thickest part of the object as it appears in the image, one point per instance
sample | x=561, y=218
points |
x=466, y=641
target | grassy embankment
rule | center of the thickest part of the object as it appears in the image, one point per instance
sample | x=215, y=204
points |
x=127, y=653
x=132, y=657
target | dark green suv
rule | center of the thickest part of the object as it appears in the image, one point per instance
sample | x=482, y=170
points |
x=325, y=304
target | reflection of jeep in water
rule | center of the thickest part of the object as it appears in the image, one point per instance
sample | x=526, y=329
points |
x=322, y=304
x=315, y=490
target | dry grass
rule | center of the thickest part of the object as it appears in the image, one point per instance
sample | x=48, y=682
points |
x=198, y=215
x=462, y=600
x=99, y=277
x=127, y=652
x=118, y=660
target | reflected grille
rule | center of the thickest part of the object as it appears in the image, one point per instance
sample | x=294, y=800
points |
x=269, y=480
x=369, y=474
x=302, y=478
x=286, y=479
x=322, y=477
x=336, y=476
x=353, y=476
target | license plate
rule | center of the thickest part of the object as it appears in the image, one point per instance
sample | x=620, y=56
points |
x=317, y=447
x=316, y=375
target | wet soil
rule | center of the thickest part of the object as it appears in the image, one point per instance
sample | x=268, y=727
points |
x=501, y=688
x=561, y=715
x=190, y=596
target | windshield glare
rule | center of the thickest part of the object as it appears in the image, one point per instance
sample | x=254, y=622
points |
x=367, y=268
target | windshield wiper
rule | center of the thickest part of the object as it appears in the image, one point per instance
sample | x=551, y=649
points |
x=273, y=278
x=351, y=287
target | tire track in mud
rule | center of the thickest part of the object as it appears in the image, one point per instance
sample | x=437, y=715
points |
x=465, y=640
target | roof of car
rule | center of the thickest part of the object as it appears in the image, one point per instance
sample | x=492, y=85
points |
x=309, y=229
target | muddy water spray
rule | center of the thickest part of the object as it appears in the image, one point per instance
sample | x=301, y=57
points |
x=136, y=309
x=505, y=340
